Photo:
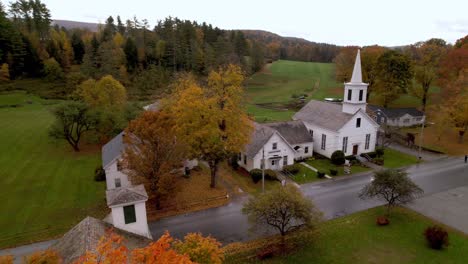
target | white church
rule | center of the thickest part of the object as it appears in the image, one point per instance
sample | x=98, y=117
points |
x=345, y=126
x=321, y=127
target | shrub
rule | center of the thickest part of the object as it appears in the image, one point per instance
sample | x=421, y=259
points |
x=382, y=221
x=293, y=169
x=379, y=151
x=52, y=70
x=351, y=157
x=437, y=237
x=333, y=172
x=338, y=157
x=266, y=253
x=320, y=174
x=378, y=161
x=99, y=174
x=372, y=154
x=256, y=175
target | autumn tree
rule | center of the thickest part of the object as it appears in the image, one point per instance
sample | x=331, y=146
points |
x=153, y=152
x=393, y=186
x=426, y=57
x=52, y=70
x=344, y=63
x=105, y=93
x=43, y=257
x=394, y=75
x=200, y=249
x=369, y=57
x=72, y=120
x=160, y=252
x=110, y=249
x=211, y=120
x=284, y=209
x=6, y=259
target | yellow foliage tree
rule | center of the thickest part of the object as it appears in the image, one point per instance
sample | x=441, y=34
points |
x=106, y=93
x=8, y=259
x=4, y=73
x=200, y=249
x=211, y=120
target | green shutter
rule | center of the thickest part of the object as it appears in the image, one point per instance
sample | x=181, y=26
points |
x=129, y=214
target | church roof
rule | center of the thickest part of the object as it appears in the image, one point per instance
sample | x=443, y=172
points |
x=126, y=195
x=259, y=138
x=112, y=149
x=357, y=72
x=295, y=132
x=397, y=112
x=85, y=237
x=325, y=114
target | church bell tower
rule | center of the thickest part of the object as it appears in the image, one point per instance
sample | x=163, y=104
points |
x=355, y=91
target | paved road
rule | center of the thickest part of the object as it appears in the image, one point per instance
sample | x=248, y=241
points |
x=334, y=198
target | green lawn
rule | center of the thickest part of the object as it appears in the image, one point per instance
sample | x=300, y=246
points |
x=305, y=175
x=46, y=187
x=325, y=165
x=396, y=159
x=357, y=239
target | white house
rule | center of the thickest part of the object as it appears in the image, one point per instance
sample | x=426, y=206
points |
x=111, y=155
x=278, y=143
x=398, y=117
x=342, y=126
x=128, y=209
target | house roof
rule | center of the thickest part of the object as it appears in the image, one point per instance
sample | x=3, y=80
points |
x=325, y=114
x=295, y=132
x=397, y=112
x=126, y=195
x=259, y=138
x=112, y=149
x=85, y=237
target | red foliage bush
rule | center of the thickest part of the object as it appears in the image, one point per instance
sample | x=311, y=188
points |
x=382, y=221
x=266, y=253
x=437, y=237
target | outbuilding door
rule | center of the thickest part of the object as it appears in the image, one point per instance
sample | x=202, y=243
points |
x=355, y=149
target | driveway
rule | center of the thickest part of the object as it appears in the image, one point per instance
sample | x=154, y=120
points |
x=448, y=207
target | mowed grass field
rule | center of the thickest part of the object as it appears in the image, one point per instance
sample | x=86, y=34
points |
x=279, y=81
x=45, y=187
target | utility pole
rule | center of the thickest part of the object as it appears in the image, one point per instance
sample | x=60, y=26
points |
x=263, y=170
x=421, y=137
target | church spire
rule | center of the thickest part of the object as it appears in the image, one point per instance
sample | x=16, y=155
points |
x=357, y=73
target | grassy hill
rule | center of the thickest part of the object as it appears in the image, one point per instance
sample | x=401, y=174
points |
x=46, y=187
x=272, y=93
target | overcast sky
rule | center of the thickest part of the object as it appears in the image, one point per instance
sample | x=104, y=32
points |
x=345, y=22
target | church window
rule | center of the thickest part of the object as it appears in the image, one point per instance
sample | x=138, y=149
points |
x=118, y=183
x=306, y=150
x=350, y=92
x=358, y=122
x=361, y=94
x=285, y=160
x=345, y=144
x=245, y=159
x=275, y=146
x=129, y=214
x=324, y=141
x=366, y=146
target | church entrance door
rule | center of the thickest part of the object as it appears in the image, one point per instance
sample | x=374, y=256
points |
x=355, y=149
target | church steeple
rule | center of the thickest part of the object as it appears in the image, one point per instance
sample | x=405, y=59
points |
x=355, y=91
x=357, y=73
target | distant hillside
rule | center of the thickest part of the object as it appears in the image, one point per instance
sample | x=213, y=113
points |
x=291, y=48
x=68, y=24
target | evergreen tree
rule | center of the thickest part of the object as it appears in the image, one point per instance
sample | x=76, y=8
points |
x=120, y=26
x=78, y=47
x=131, y=55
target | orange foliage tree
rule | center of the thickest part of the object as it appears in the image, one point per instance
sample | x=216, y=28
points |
x=109, y=250
x=152, y=152
x=159, y=252
x=8, y=259
x=43, y=257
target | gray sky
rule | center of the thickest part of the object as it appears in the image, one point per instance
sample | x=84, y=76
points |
x=358, y=22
